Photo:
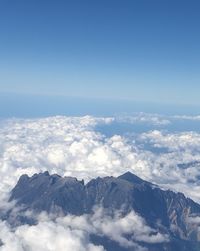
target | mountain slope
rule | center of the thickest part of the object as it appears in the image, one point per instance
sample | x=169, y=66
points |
x=165, y=211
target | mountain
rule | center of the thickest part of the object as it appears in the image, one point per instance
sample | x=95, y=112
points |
x=166, y=211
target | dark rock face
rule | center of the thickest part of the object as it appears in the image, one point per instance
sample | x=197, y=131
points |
x=165, y=211
x=51, y=193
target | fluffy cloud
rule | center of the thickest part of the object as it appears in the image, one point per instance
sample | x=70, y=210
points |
x=72, y=232
x=67, y=146
x=132, y=224
x=45, y=236
x=72, y=146
x=184, y=141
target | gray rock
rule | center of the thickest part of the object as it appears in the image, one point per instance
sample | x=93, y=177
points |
x=165, y=211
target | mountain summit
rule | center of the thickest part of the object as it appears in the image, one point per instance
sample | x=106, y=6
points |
x=166, y=211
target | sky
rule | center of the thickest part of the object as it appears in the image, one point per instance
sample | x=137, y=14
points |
x=141, y=51
x=109, y=59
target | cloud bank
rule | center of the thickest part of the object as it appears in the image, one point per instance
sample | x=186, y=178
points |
x=70, y=146
x=73, y=232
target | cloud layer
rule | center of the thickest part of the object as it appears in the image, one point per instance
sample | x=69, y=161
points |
x=73, y=232
x=72, y=146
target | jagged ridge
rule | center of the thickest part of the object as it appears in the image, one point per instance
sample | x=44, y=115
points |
x=166, y=211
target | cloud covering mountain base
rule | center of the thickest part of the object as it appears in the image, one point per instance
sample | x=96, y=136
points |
x=70, y=146
x=73, y=232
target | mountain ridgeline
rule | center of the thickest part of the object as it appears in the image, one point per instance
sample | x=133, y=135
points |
x=166, y=211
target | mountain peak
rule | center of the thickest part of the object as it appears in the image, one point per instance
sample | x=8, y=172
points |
x=68, y=195
x=128, y=176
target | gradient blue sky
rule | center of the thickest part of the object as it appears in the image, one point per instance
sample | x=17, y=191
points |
x=134, y=50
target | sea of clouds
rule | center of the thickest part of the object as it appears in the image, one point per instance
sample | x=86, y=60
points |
x=73, y=146
x=73, y=232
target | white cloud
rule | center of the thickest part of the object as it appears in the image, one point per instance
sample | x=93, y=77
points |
x=67, y=146
x=71, y=146
x=186, y=117
x=145, y=118
x=72, y=232
x=119, y=226
x=45, y=236
x=183, y=141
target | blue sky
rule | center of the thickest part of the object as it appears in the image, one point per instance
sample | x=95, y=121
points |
x=134, y=50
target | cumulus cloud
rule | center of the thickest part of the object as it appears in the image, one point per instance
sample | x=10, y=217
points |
x=184, y=141
x=73, y=232
x=45, y=236
x=132, y=224
x=70, y=146
x=66, y=146
x=177, y=165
